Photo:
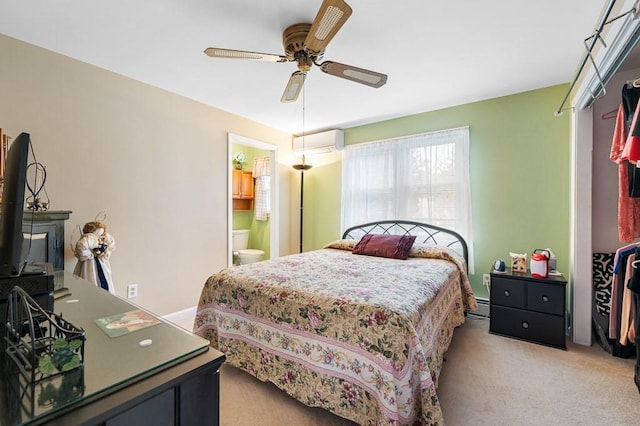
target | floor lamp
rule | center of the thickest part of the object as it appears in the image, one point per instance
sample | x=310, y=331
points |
x=302, y=167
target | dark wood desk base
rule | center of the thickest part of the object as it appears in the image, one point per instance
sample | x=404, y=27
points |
x=184, y=395
x=173, y=383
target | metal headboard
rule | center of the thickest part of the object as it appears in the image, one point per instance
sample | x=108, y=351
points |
x=425, y=233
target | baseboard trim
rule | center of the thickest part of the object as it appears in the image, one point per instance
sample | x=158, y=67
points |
x=181, y=315
x=483, y=310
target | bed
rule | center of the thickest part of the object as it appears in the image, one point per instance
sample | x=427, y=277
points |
x=362, y=336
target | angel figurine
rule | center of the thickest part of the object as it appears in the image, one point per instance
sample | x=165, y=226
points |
x=93, y=250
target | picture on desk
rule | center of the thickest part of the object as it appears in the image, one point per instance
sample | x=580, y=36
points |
x=121, y=324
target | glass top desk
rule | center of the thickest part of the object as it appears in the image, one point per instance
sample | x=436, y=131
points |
x=111, y=364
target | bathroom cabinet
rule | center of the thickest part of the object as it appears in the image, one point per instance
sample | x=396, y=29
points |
x=242, y=190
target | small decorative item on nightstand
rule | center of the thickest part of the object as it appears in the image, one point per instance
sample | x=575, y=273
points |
x=518, y=262
x=540, y=263
x=499, y=266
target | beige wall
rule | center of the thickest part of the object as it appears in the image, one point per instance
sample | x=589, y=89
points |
x=155, y=162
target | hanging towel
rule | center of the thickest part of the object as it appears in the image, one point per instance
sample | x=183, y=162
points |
x=262, y=196
x=261, y=167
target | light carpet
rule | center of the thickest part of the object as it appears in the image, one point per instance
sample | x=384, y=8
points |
x=486, y=380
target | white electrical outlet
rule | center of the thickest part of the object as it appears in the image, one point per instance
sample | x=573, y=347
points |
x=486, y=280
x=132, y=291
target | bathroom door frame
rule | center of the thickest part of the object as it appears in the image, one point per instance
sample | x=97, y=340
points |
x=274, y=236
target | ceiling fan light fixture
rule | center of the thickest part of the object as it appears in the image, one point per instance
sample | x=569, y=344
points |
x=304, y=62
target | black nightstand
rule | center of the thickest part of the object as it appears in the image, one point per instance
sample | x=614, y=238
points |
x=528, y=308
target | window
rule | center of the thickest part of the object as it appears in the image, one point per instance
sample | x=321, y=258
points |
x=421, y=177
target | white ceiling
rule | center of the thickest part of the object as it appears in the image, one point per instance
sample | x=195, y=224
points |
x=437, y=53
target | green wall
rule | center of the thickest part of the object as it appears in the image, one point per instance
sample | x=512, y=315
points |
x=519, y=169
x=259, y=230
x=322, y=192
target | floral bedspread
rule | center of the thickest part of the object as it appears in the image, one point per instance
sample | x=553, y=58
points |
x=360, y=336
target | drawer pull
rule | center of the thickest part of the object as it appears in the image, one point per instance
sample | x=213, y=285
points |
x=506, y=293
x=525, y=325
x=545, y=298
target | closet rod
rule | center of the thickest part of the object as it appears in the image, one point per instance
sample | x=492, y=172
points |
x=592, y=40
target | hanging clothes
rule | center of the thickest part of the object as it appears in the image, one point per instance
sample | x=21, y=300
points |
x=627, y=309
x=602, y=288
x=620, y=337
x=630, y=98
x=631, y=150
x=618, y=281
x=628, y=206
x=634, y=286
x=624, y=319
x=262, y=196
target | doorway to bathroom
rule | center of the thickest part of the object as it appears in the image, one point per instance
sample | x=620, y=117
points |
x=253, y=196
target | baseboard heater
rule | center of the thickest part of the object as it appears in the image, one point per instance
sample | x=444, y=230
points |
x=483, y=308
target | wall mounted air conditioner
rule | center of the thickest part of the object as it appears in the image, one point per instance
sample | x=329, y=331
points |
x=319, y=143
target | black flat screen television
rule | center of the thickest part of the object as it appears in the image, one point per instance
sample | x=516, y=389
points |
x=12, y=212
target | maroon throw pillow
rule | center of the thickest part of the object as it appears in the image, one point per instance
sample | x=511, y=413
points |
x=392, y=246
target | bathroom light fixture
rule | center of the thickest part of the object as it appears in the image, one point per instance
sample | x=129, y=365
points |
x=302, y=167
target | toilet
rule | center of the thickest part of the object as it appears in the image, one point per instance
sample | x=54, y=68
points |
x=242, y=255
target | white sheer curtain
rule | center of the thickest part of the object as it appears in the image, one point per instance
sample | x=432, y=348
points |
x=422, y=177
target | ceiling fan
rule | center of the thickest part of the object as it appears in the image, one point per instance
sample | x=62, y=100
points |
x=305, y=44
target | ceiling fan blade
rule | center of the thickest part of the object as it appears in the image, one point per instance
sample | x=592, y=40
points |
x=330, y=18
x=294, y=86
x=216, y=52
x=359, y=75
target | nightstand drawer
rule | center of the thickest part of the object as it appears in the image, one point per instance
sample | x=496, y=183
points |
x=548, y=298
x=528, y=325
x=508, y=292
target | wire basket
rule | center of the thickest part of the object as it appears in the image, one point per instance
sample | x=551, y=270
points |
x=39, y=344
